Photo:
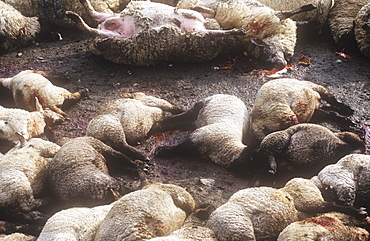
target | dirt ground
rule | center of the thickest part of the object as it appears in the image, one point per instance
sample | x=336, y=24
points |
x=72, y=65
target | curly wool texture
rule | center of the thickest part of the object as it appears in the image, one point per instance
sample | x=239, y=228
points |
x=23, y=174
x=128, y=119
x=78, y=174
x=74, y=224
x=348, y=178
x=17, y=237
x=189, y=233
x=261, y=213
x=309, y=146
x=259, y=22
x=156, y=210
x=324, y=227
x=153, y=46
x=16, y=30
x=363, y=35
x=342, y=15
x=221, y=127
x=281, y=103
x=29, y=84
x=319, y=14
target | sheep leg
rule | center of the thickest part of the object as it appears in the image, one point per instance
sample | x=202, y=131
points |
x=305, y=8
x=100, y=17
x=183, y=121
x=186, y=148
x=325, y=207
x=321, y=115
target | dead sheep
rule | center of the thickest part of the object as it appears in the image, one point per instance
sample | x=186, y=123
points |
x=281, y=103
x=320, y=14
x=79, y=223
x=154, y=211
x=330, y=226
x=79, y=176
x=270, y=35
x=341, y=23
x=147, y=33
x=16, y=30
x=17, y=237
x=362, y=30
x=261, y=213
x=54, y=11
x=347, y=181
x=123, y=122
x=307, y=148
x=18, y=125
x=23, y=178
x=28, y=84
x=220, y=129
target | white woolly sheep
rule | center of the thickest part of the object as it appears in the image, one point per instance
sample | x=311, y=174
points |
x=362, y=30
x=324, y=227
x=156, y=210
x=261, y=213
x=319, y=14
x=28, y=84
x=23, y=176
x=307, y=148
x=270, y=35
x=347, y=180
x=74, y=224
x=16, y=30
x=221, y=126
x=281, y=103
x=148, y=33
x=79, y=176
x=341, y=19
x=17, y=125
x=17, y=237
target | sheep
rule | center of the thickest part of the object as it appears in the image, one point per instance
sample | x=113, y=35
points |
x=281, y=103
x=17, y=237
x=347, y=180
x=16, y=30
x=78, y=173
x=147, y=33
x=261, y=213
x=154, y=211
x=341, y=18
x=362, y=30
x=220, y=129
x=23, y=179
x=320, y=14
x=28, y=84
x=324, y=227
x=270, y=35
x=79, y=223
x=18, y=126
x=307, y=148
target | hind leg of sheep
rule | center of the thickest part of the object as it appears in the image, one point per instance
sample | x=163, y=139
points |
x=321, y=115
x=183, y=121
x=186, y=148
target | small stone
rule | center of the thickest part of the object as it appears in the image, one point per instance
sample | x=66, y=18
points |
x=207, y=181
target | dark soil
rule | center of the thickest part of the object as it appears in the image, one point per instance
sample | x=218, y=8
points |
x=72, y=65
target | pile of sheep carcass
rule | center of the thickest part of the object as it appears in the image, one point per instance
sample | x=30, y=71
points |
x=148, y=33
x=79, y=175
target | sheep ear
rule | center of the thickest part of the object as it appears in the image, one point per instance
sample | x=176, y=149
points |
x=38, y=106
x=287, y=14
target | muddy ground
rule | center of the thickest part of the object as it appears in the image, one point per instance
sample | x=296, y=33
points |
x=72, y=65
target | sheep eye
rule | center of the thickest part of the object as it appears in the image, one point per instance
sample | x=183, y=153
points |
x=5, y=122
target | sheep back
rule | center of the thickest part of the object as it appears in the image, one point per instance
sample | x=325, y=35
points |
x=78, y=174
x=74, y=224
x=326, y=226
x=16, y=30
x=363, y=35
x=143, y=214
x=153, y=46
x=281, y=103
x=189, y=233
x=253, y=214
